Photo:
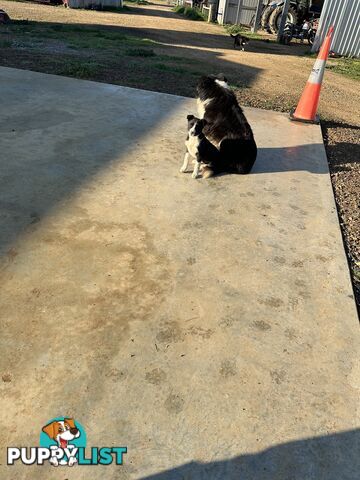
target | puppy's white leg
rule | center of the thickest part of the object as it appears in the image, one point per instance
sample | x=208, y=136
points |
x=196, y=169
x=54, y=461
x=186, y=163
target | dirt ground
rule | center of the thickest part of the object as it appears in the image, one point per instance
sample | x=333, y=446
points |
x=151, y=47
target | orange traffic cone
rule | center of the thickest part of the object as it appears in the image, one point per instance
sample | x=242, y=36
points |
x=308, y=103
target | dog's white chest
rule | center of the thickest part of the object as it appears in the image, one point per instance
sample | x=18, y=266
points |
x=192, y=145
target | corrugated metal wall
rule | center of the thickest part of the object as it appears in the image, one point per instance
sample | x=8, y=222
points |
x=345, y=16
x=237, y=11
x=94, y=3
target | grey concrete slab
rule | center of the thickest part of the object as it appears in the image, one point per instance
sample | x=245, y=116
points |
x=207, y=325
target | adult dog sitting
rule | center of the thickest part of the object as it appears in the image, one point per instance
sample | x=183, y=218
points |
x=226, y=127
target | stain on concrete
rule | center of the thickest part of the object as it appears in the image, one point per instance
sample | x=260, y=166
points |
x=170, y=333
x=192, y=225
x=322, y=258
x=35, y=218
x=174, y=403
x=279, y=260
x=36, y=292
x=6, y=377
x=261, y=325
x=155, y=376
x=297, y=263
x=271, y=302
x=290, y=333
x=227, y=321
x=228, y=368
x=37, y=119
x=201, y=332
x=191, y=261
x=232, y=211
x=116, y=375
x=298, y=209
x=12, y=253
x=230, y=291
x=278, y=376
x=293, y=302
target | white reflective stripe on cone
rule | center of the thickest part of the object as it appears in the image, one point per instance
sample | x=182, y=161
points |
x=317, y=72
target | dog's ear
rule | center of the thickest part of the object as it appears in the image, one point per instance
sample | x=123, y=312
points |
x=190, y=117
x=204, y=122
x=70, y=422
x=222, y=77
x=50, y=430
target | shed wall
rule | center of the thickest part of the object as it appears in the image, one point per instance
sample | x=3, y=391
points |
x=345, y=16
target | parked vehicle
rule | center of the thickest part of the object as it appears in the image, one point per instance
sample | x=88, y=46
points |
x=298, y=11
x=306, y=31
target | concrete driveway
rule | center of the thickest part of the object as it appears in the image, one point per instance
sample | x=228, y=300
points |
x=209, y=326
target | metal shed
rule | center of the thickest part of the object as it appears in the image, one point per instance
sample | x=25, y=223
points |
x=241, y=12
x=345, y=16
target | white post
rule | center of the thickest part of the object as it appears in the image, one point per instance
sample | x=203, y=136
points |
x=258, y=13
x=283, y=19
x=238, y=10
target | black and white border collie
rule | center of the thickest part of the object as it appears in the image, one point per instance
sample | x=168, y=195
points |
x=239, y=41
x=226, y=127
x=198, y=147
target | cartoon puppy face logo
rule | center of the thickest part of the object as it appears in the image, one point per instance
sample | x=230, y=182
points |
x=62, y=431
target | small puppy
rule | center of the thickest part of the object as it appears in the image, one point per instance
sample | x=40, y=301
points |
x=199, y=147
x=239, y=41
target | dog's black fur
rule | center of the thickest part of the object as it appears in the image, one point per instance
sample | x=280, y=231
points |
x=206, y=152
x=226, y=126
x=239, y=40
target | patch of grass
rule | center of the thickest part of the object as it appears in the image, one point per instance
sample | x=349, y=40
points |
x=174, y=59
x=79, y=36
x=78, y=69
x=345, y=66
x=5, y=43
x=190, y=13
x=140, y=52
x=169, y=68
x=235, y=29
x=182, y=70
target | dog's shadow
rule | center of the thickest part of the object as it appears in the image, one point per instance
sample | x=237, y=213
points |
x=310, y=157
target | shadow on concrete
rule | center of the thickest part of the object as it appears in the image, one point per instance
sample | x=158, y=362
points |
x=329, y=457
x=290, y=159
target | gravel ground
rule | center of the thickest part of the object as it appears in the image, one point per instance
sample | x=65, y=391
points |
x=267, y=76
x=342, y=143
